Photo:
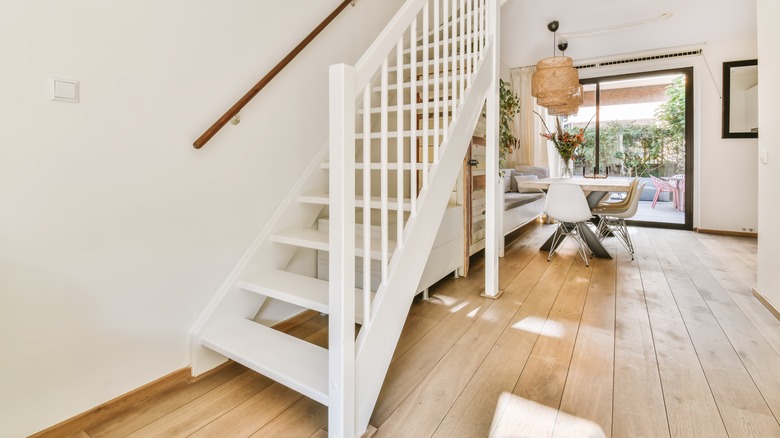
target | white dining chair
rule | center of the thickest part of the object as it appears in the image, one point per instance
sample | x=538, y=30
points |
x=613, y=218
x=567, y=204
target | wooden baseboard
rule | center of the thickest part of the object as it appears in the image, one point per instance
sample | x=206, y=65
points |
x=111, y=407
x=726, y=233
x=762, y=299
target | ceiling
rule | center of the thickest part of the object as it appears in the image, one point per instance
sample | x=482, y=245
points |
x=525, y=38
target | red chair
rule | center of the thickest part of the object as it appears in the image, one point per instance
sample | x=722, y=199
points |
x=663, y=186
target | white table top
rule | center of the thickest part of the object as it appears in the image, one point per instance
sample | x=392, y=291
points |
x=613, y=184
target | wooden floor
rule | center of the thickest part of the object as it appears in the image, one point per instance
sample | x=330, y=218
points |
x=670, y=344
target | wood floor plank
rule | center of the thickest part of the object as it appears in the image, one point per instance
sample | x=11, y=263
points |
x=415, y=328
x=482, y=400
x=422, y=411
x=251, y=415
x=302, y=419
x=690, y=405
x=533, y=408
x=678, y=325
x=738, y=282
x=740, y=403
x=758, y=357
x=588, y=391
x=201, y=411
x=418, y=361
x=638, y=404
x=150, y=410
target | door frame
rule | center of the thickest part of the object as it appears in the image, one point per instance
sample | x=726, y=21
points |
x=689, y=137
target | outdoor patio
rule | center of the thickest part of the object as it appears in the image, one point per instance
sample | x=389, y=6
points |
x=663, y=212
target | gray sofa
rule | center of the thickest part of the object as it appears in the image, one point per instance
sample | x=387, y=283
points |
x=521, y=205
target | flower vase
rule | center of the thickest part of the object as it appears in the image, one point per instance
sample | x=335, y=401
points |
x=565, y=169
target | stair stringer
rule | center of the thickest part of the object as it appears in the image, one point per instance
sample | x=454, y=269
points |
x=376, y=343
x=231, y=302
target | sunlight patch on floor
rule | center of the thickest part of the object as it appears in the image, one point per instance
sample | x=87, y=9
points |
x=544, y=327
x=460, y=306
x=516, y=417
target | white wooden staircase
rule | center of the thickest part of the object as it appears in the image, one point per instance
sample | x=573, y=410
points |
x=406, y=112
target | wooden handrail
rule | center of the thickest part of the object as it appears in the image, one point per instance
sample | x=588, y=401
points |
x=206, y=136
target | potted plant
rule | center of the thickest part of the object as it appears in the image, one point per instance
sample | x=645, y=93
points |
x=509, y=106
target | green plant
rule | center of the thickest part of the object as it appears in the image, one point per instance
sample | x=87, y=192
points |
x=509, y=106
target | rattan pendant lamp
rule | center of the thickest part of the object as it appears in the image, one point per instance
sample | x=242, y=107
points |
x=556, y=83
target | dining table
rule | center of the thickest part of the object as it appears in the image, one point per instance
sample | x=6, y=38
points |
x=595, y=190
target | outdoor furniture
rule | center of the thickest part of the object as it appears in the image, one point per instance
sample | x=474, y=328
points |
x=662, y=185
x=566, y=203
x=679, y=184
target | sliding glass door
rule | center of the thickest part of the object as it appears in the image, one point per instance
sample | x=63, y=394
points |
x=640, y=125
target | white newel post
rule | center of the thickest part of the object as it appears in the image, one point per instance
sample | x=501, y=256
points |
x=492, y=231
x=341, y=323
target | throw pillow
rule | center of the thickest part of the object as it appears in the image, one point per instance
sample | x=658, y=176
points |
x=521, y=178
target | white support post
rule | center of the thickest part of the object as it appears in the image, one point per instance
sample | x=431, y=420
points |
x=341, y=323
x=492, y=230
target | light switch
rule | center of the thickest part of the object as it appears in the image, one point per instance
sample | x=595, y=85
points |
x=763, y=156
x=64, y=90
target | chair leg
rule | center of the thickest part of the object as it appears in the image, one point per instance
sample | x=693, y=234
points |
x=655, y=198
x=583, y=249
x=602, y=230
x=620, y=230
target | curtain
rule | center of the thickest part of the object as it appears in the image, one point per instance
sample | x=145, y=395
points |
x=534, y=150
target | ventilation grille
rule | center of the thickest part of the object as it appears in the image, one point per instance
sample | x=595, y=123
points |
x=639, y=59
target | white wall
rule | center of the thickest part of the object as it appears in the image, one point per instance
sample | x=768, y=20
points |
x=769, y=173
x=729, y=181
x=114, y=231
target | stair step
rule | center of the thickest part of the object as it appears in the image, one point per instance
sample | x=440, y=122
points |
x=378, y=166
x=375, y=203
x=292, y=362
x=308, y=292
x=431, y=62
x=442, y=42
x=448, y=23
x=419, y=64
x=406, y=134
x=315, y=239
x=418, y=84
x=408, y=107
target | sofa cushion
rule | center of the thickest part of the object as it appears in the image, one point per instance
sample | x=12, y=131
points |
x=512, y=199
x=541, y=172
x=520, y=178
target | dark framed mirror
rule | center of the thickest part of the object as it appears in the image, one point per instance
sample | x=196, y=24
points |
x=740, y=99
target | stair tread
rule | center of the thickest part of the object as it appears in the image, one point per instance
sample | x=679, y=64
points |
x=376, y=201
x=407, y=107
x=431, y=62
x=378, y=166
x=417, y=84
x=300, y=290
x=442, y=42
x=394, y=134
x=292, y=362
x=316, y=239
x=311, y=293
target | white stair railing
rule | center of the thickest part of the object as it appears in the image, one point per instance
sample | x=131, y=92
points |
x=442, y=57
